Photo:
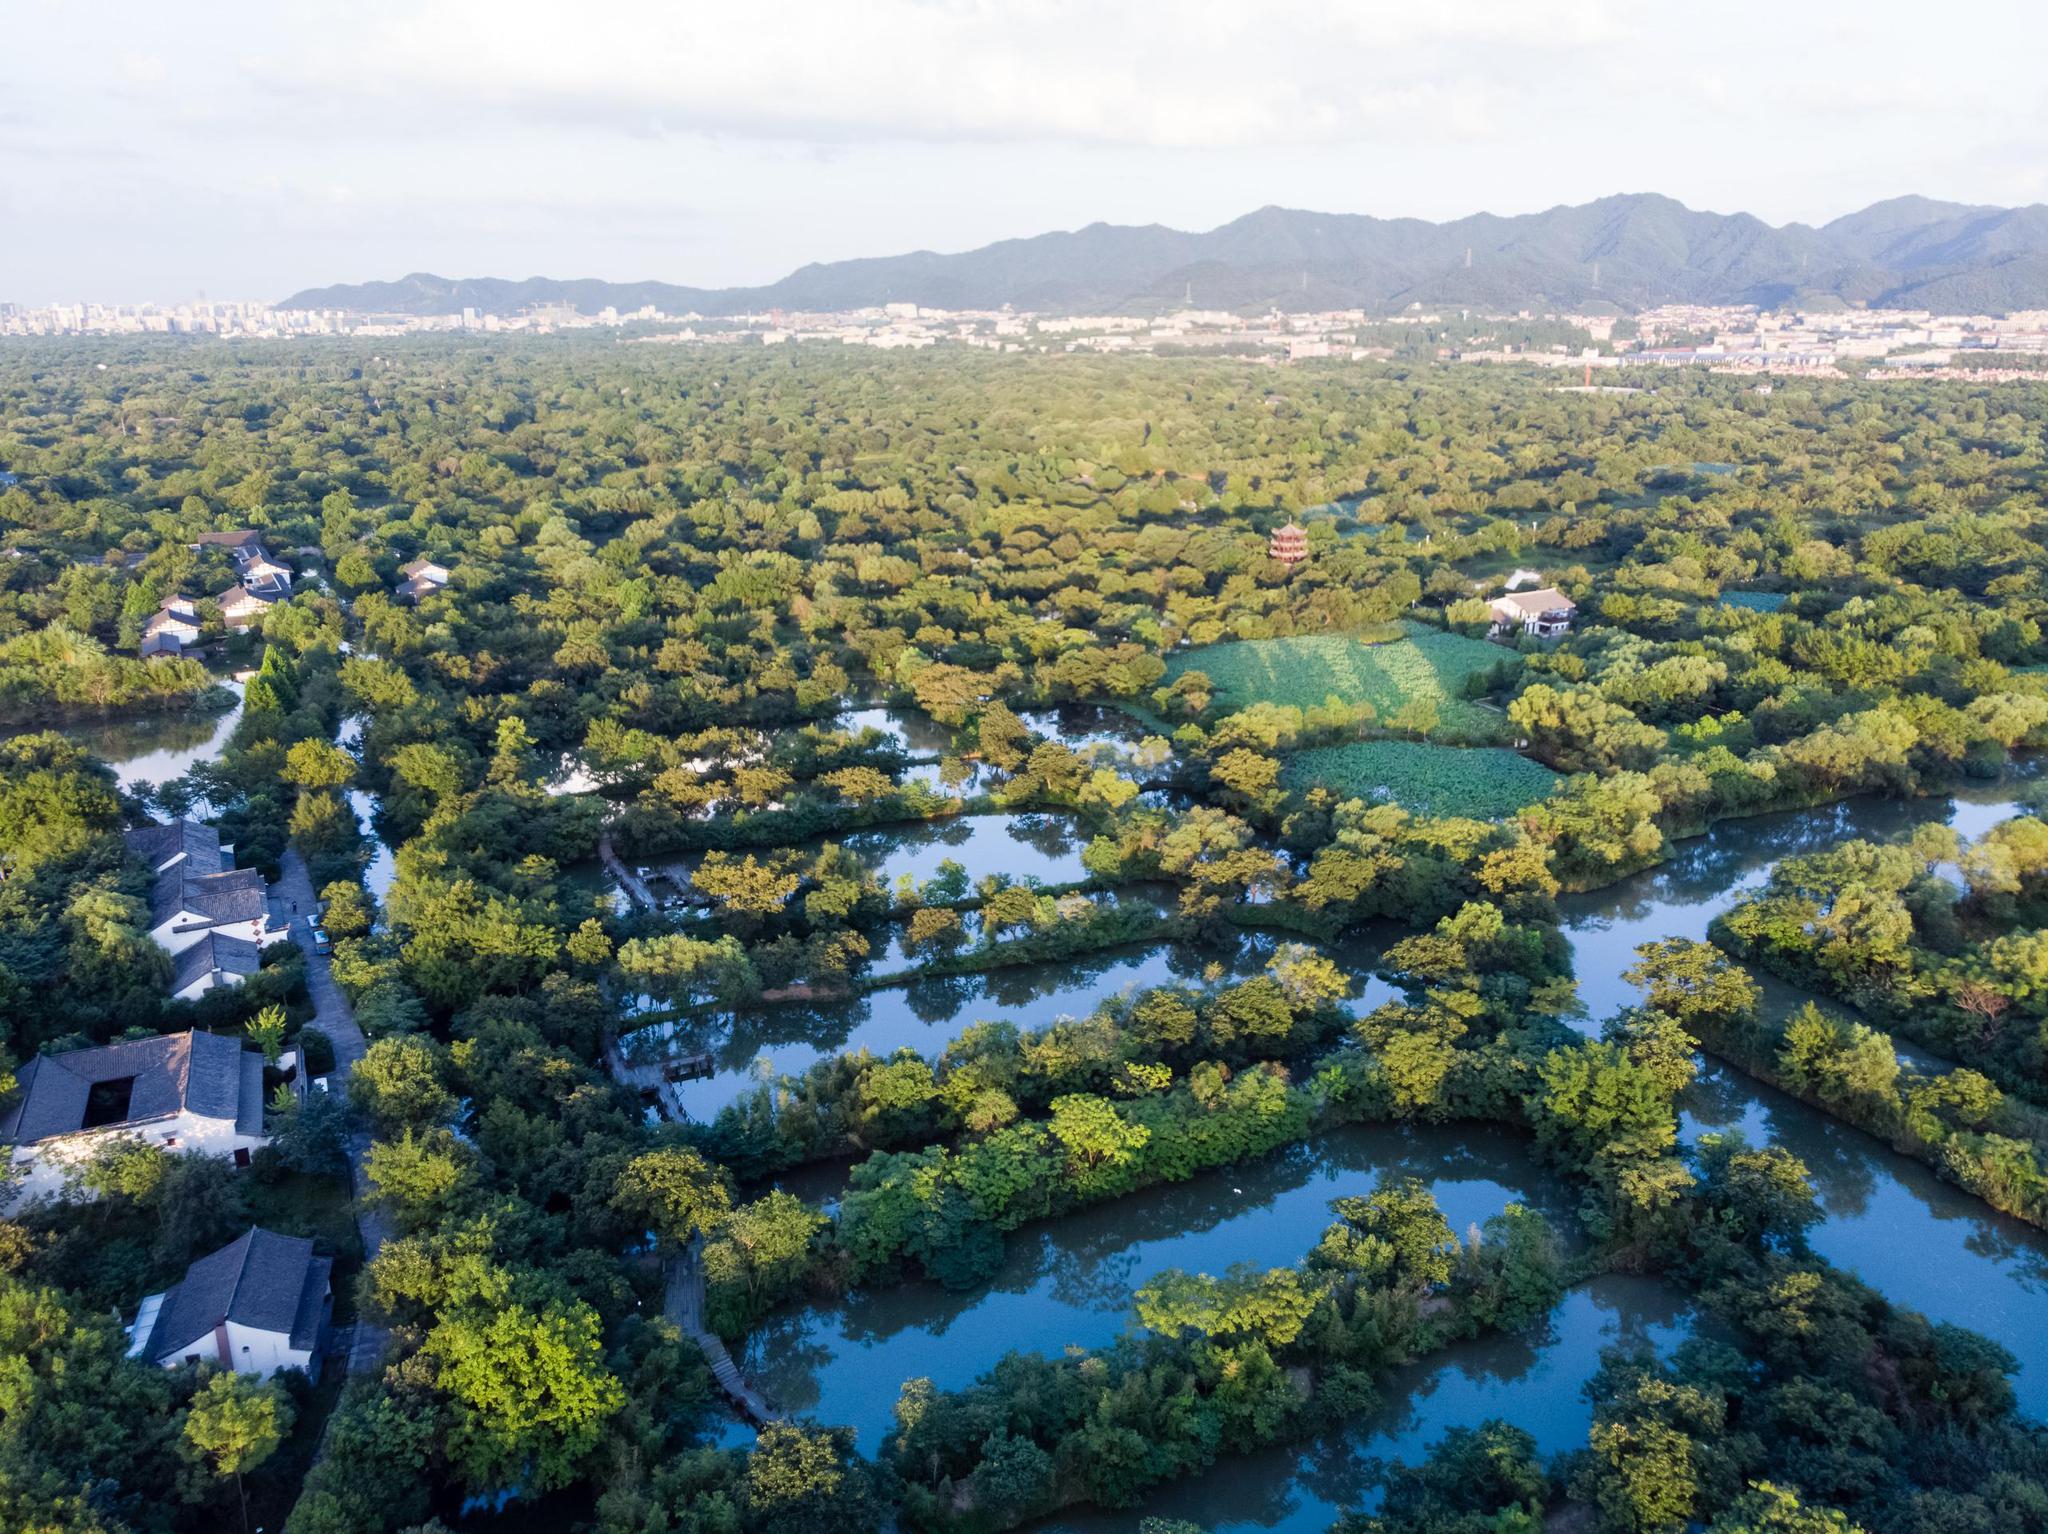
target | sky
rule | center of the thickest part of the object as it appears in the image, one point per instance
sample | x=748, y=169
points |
x=153, y=152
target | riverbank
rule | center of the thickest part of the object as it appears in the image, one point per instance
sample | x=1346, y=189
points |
x=213, y=698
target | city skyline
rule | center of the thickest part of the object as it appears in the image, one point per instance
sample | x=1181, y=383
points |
x=149, y=160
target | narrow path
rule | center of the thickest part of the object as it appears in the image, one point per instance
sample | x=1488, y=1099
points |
x=628, y=880
x=291, y=900
x=684, y=1305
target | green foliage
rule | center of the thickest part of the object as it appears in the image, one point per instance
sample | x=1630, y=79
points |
x=1479, y=784
x=1422, y=666
x=529, y=1394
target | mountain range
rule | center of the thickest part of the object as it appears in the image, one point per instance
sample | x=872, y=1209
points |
x=1622, y=253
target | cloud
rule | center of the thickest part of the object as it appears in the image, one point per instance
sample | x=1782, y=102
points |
x=1145, y=74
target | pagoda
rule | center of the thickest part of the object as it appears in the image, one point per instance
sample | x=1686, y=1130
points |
x=1289, y=545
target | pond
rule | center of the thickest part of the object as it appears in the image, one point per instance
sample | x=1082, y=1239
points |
x=1088, y=728
x=150, y=750
x=763, y=1043
x=1069, y=1282
x=1080, y=725
x=909, y=729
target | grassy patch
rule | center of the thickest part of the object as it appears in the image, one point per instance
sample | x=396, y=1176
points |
x=1433, y=780
x=1307, y=671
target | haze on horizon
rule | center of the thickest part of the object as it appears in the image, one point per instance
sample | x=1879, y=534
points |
x=146, y=157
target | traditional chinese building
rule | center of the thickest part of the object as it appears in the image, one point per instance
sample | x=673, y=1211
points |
x=1289, y=545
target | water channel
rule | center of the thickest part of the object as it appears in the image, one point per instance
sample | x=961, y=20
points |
x=762, y=1043
x=1069, y=1282
x=383, y=866
x=1031, y=845
x=1916, y=1240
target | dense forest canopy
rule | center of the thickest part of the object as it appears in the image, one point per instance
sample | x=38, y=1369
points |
x=624, y=774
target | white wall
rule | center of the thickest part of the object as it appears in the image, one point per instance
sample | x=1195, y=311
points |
x=170, y=940
x=254, y=1352
x=207, y=982
x=41, y=1168
x=249, y=1351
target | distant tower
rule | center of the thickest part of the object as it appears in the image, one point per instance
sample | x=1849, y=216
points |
x=1596, y=274
x=1468, y=258
x=1289, y=545
x=1304, y=282
x=1188, y=297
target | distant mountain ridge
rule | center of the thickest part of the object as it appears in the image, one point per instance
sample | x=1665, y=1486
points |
x=1626, y=252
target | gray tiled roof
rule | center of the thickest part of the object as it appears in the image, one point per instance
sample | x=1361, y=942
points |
x=260, y=1280
x=216, y=950
x=249, y=1102
x=237, y=894
x=157, y=845
x=199, y=1071
x=241, y=537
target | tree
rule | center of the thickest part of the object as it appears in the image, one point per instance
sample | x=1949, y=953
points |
x=949, y=693
x=674, y=1192
x=311, y=1133
x=747, y=885
x=1769, y=1509
x=421, y=1175
x=1417, y=717
x=1395, y=1237
x=397, y=1083
x=266, y=1031
x=234, y=1424
x=808, y=1481
x=1245, y=1304
x=1098, y=1139
x=530, y=1392
x=315, y=763
x=934, y=929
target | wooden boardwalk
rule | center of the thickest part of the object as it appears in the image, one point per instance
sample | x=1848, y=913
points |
x=635, y=888
x=684, y=1305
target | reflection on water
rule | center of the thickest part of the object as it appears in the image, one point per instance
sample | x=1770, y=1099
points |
x=908, y=729
x=383, y=865
x=149, y=750
x=927, y=1014
x=1916, y=1239
x=1534, y=1380
x=1041, y=846
x=1708, y=874
x=1068, y=1282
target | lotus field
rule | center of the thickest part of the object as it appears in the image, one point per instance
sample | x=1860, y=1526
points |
x=1480, y=784
x=1307, y=671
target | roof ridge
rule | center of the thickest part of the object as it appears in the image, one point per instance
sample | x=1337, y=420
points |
x=185, y=1074
x=248, y=1240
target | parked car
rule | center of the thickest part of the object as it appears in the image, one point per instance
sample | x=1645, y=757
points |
x=320, y=943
